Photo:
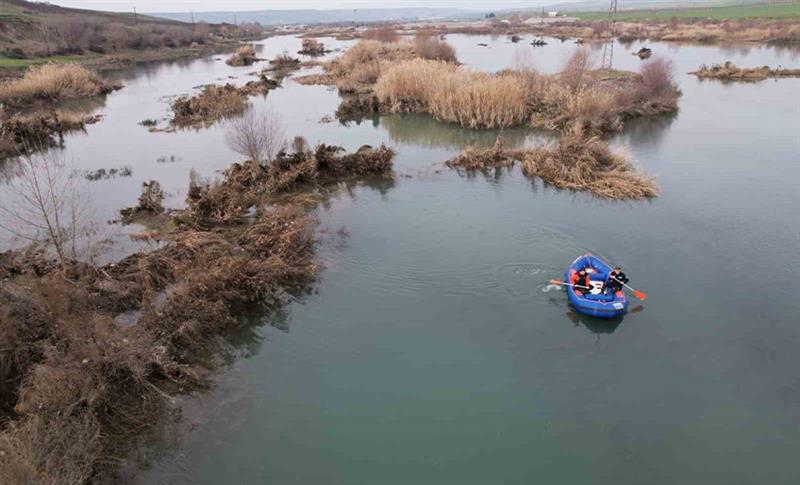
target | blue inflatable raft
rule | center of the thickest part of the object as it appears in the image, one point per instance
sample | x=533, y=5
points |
x=597, y=303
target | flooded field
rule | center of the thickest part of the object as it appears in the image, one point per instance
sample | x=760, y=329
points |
x=433, y=349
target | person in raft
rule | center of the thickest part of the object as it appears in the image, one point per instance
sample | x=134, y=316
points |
x=580, y=282
x=616, y=279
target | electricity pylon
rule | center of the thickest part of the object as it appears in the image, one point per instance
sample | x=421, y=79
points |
x=608, y=48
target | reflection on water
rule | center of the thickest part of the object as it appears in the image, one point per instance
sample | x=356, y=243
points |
x=597, y=326
x=422, y=130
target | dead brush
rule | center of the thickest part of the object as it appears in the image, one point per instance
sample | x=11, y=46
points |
x=53, y=82
x=210, y=105
x=244, y=56
x=28, y=133
x=731, y=72
x=579, y=163
x=312, y=47
x=473, y=158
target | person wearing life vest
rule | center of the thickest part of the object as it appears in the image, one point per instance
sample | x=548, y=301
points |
x=616, y=279
x=580, y=282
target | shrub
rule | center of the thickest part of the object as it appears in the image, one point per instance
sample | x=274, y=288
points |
x=434, y=49
x=312, y=47
x=244, y=56
x=658, y=78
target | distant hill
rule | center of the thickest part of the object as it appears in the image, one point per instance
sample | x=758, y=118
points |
x=281, y=17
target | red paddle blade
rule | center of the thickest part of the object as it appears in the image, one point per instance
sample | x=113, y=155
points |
x=640, y=295
x=556, y=282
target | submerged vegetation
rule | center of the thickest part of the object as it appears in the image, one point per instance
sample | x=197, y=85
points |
x=79, y=390
x=731, y=72
x=574, y=162
x=54, y=82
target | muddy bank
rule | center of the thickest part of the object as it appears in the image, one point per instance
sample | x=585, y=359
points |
x=80, y=390
x=730, y=72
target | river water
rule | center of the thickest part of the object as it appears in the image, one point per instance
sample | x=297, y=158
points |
x=433, y=350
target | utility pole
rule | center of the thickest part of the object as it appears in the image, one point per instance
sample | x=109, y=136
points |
x=135, y=17
x=192, y=13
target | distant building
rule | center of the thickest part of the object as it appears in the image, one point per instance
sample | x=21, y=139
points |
x=552, y=14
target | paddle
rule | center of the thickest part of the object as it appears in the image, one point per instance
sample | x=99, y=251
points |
x=564, y=283
x=639, y=294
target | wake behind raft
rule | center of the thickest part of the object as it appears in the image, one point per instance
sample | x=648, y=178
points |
x=596, y=302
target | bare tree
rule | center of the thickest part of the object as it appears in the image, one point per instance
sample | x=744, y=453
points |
x=576, y=70
x=257, y=136
x=42, y=202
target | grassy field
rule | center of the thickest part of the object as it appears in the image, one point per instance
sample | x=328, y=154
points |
x=778, y=11
x=19, y=63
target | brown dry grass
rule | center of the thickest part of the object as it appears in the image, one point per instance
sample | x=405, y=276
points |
x=731, y=72
x=54, y=82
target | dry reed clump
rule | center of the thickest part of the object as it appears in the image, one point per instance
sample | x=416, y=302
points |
x=283, y=64
x=450, y=93
x=312, y=47
x=427, y=46
x=362, y=65
x=473, y=158
x=211, y=104
x=575, y=162
x=597, y=101
x=244, y=56
x=580, y=163
x=731, y=72
x=54, y=82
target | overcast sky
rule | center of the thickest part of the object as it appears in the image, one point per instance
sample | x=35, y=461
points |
x=229, y=5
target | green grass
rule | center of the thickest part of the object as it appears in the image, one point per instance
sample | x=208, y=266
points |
x=778, y=11
x=21, y=63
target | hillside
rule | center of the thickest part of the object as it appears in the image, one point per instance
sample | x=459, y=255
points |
x=288, y=17
x=32, y=33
